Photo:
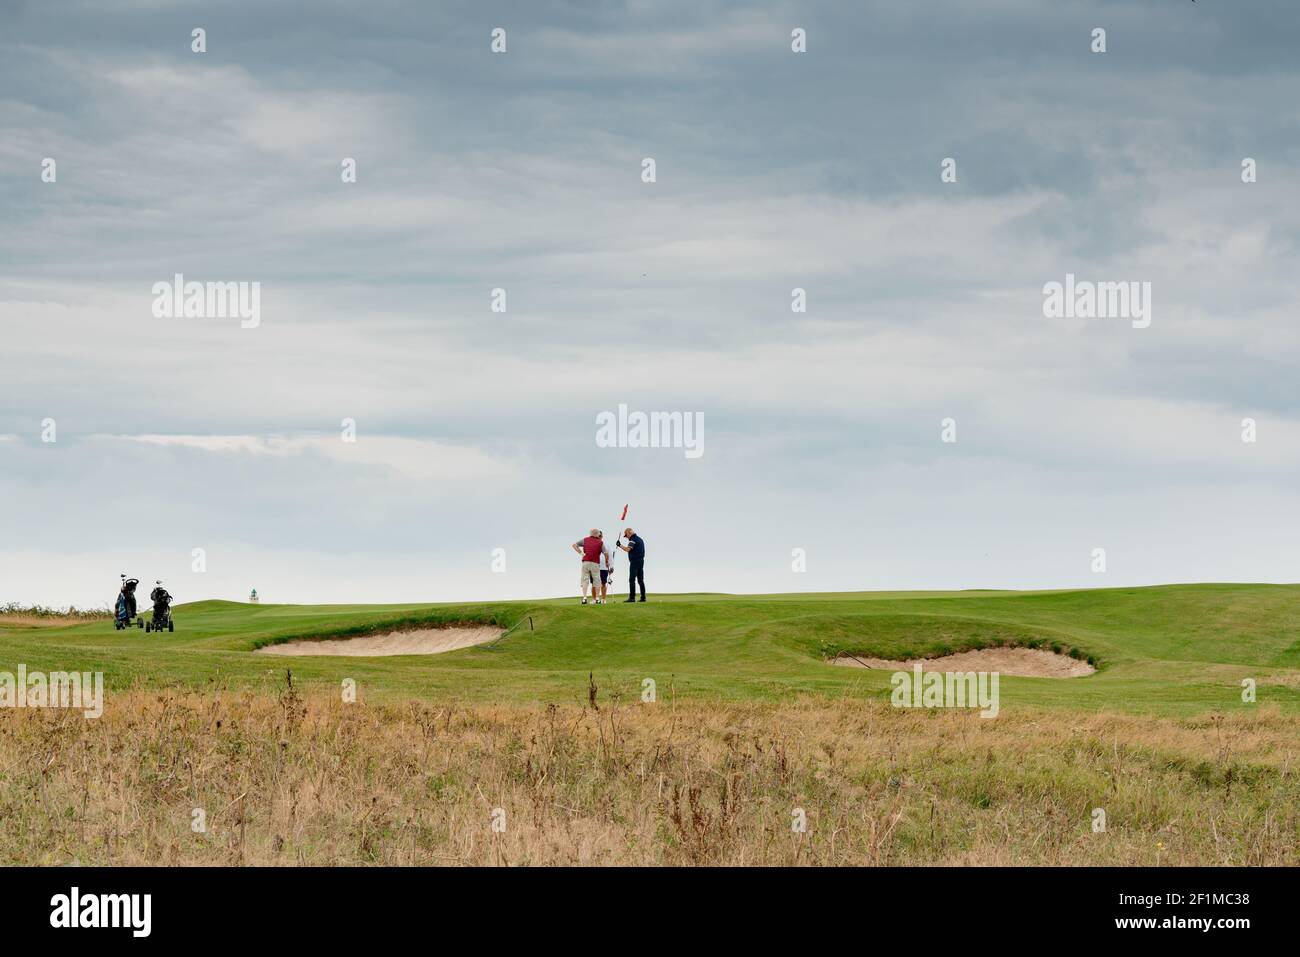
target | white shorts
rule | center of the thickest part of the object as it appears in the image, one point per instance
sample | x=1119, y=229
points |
x=590, y=573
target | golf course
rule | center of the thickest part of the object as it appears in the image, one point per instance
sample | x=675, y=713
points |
x=1178, y=649
x=540, y=744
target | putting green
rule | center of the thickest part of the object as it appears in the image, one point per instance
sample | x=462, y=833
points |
x=1174, y=649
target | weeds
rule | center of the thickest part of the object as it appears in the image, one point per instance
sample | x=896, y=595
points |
x=299, y=777
x=13, y=613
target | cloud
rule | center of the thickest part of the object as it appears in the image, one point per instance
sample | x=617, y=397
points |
x=521, y=172
x=408, y=458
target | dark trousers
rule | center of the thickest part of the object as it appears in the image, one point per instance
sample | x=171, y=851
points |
x=635, y=574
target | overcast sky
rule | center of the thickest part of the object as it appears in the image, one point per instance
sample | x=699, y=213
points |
x=522, y=170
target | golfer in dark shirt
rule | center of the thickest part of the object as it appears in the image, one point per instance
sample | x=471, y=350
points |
x=635, y=549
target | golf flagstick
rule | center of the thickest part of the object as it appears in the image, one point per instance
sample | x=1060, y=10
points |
x=618, y=537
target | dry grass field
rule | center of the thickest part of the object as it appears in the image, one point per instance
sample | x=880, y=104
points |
x=309, y=779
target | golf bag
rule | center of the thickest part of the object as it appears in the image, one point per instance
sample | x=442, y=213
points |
x=162, y=609
x=124, y=610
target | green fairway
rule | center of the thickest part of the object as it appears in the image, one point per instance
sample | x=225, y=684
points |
x=1175, y=649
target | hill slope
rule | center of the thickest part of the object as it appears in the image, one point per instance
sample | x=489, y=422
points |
x=1177, y=649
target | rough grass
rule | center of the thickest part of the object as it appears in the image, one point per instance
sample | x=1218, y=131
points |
x=17, y=615
x=287, y=779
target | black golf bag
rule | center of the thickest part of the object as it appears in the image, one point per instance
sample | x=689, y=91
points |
x=162, y=609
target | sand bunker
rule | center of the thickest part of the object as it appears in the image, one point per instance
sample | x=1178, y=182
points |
x=1027, y=662
x=424, y=641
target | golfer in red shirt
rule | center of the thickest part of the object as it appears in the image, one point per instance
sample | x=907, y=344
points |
x=590, y=548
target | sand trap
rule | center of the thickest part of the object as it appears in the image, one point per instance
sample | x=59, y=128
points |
x=424, y=641
x=1027, y=662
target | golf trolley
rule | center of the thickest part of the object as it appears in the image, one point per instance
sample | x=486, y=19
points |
x=162, y=610
x=124, y=609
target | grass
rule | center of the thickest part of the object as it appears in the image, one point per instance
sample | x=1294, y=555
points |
x=1171, y=650
x=37, y=616
x=307, y=779
x=546, y=733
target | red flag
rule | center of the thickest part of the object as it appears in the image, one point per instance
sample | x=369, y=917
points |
x=624, y=515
